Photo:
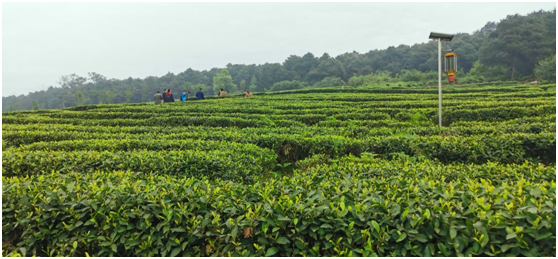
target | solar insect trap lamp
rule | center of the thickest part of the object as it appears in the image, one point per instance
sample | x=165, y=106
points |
x=451, y=67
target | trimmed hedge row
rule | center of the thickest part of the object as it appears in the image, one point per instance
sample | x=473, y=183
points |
x=319, y=214
x=491, y=114
x=169, y=121
x=478, y=149
x=352, y=128
x=243, y=121
x=169, y=142
x=241, y=164
x=368, y=166
x=276, y=106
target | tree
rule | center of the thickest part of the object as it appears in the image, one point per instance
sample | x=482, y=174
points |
x=64, y=83
x=145, y=92
x=104, y=96
x=288, y=85
x=187, y=86
x=271, y=73
x=35, y=104
x=13, y=105
x=372, y=78
x=198, y=86
x=129, y=92
x=330, y=81
x=332, y=67
x=96, y=78
x=517, y=43
x=483, y=72
x=243, y=85
x=72, y=81
x=328, y=66
x=79, y=97
x=545, y=70
x=223, y=80
x=253, y=84
x=412, y=75
x=300, y=66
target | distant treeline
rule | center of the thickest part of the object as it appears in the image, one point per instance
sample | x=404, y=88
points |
x=518, y=48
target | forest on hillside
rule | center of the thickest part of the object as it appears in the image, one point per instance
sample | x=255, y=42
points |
x=518, y=48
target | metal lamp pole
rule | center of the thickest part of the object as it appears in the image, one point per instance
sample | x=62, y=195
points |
x=440, y=82
x=440, y=37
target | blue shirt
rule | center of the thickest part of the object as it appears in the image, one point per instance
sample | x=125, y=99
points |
x=199, y=95
x=183, y=96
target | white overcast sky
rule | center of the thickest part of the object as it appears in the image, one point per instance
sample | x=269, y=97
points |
x=43, y=41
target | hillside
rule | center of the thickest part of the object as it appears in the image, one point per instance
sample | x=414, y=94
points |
x=518, y=48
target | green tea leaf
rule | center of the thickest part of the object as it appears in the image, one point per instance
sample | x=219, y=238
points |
x=536, y=192
x=175, y=251
x=375, y=225
x=511, y=235
x=453, y=233
x=427, y=251
x=178, y=229
x=272, y=251
x=543, y=235
x=403, y=236
x=283, y=240
x=442, y=248
x=421, y=237
x=484, y=240
x=234, y=232
x=326, y=226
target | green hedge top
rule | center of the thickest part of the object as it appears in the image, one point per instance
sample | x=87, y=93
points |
x=241, y=164
x=319, y=214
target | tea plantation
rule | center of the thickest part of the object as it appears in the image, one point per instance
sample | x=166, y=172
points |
x=318, y=172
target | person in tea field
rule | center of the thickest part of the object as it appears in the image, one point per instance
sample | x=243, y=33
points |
x=222, y=93
x=158, y=98
x=170, y=97
x=199, y=95
x=184, y=96
x=248, y=94
x=164, y=94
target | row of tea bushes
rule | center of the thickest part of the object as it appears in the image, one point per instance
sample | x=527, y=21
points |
x=160, y=143
x=504, y=148
x=492, y=114
x=347, y=104
x=241, y=164
x=312, y=214
x=368, y=166
x=378, y=117
x=23, y=133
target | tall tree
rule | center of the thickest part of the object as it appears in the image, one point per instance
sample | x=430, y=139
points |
x=545, y=70
x=129, y=93
x=35, y=104
x=300, y=66
x=253, y=84
x=270, y=74
x=79, y=97
x=517, y=44
x=242, y=85
x=223, y=80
